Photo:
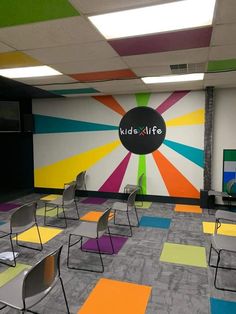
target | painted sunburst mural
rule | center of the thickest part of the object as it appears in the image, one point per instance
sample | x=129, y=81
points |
x=78, y=134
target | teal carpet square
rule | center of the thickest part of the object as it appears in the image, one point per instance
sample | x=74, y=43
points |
x=155, y=222
x=222, y=307
x=2, y=222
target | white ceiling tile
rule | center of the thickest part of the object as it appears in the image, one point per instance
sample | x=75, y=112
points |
x=102, y=6
x=224, y=35
x=94, y=65
x=64, y=86
x=52, y=33
x=226, y=11
x=119, y=86
x=152, y=71
x=73, y=53
x=47, y=80
x=222, y=79
x=171, y=57
x=5, y=48
x=222, y=52
x=175, y=86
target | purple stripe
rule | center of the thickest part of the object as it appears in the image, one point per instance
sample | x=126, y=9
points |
x=5, y=207
x=171, y=100
x=94, y=200
x=105, y=244
x=179, y=40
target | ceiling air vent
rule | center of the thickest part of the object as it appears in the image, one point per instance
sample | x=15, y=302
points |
x=187, y=68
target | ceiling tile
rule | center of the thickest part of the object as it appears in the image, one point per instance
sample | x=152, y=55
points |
x=104, y=75
x=58, y=79
x=73, y=53
x=186, y=39
x=222, y=52
x=70, y=85
x=224, y=35
x=54, y=33
x=175, y=86
x=226, y=12
x=5, y=48
x=152, y=71
x=16, y=59
x=17, y=12
x=220, y=79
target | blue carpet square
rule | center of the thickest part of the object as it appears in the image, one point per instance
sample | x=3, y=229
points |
x=222, y=307
x=155, y=222
x=2, y=222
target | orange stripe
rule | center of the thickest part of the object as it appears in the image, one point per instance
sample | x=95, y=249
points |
x=111, y=103
x=176, y=183
x=104, y=75
x=188, y=209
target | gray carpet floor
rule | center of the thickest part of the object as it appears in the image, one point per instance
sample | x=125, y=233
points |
x=176, y=288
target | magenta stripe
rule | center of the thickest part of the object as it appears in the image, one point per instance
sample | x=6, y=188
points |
x=113, y=183
x=94, y=200
x=169, y=41
x=171, y=100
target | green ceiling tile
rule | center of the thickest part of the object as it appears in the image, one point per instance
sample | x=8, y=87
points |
x=74, y=91
x=221, y=65
x=16, y=12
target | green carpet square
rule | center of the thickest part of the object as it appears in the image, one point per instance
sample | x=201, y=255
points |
x=11, y=272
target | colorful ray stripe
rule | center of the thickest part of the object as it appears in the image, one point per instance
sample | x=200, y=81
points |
x=113, y=183
x=171, y=100
x=142, y=169
x=55, y=175
x=142, y=99
x=194, y=154
x=176, y=183
x=195, y=117
x=47, y=124
x=111, y=103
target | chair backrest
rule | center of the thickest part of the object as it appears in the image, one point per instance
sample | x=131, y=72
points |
x=80, y=180
x=103, y=221
x=68, y=195
x=23, y=218
x=41, y=278
x=140, y=180
x=131, y=199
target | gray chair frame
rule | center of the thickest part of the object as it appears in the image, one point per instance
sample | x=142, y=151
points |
x=29, y=287
x=126, y=208
x=66, y=200
x=92, y=230
x=131, y=187
x=23, y=218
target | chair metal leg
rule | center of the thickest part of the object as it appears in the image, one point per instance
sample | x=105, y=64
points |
x=64, y=294
x=53, y=225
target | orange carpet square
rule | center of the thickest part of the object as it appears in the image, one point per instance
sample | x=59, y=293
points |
x=116, y=297
x=94, y=216
x=188, y=208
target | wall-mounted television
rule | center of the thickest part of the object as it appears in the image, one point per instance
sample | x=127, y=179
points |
x=9, y=116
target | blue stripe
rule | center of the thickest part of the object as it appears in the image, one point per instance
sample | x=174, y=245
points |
x=195, y=155
x=47, y=124
x=222, y=307
x=228, y=176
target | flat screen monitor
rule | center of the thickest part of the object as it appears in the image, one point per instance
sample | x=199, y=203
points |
x=9, y=116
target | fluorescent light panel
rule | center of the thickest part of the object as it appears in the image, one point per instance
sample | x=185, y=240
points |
x=36, y=71
x=155, y=19
x=173, y=78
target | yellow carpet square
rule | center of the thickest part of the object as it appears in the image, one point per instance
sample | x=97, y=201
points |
x=188, y=208
x=225, y=229
x=50, y=197
x=116, y=297
x=31, y=235
x=94, y=216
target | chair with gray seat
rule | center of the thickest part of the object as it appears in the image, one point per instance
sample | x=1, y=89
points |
x=127, y=208
x=131, y=187
x=80, y=181
x=21, y=220
x=30, y=286
x=91, y=230
x=67, y=200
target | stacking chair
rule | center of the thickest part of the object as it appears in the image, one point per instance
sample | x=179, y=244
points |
x=131, y=187
x=80, y=181
x=67, y=200
x=91, y=230
x=21, y=220
x=31, y=286
x=127, y=208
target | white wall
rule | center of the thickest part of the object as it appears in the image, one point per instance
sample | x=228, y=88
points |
x=224, y=133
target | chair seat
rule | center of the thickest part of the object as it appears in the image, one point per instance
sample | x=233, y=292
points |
x=222, y=242
x=119, y=206
x=11, y=292
x=87, y=229
x=223, y=214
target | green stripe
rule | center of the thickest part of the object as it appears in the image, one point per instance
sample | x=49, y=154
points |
x=230, y=155
x=221, y=65
x=11, y=272
x=142, y=99
x=74, y=91
x=142, y=169
x=17, y=12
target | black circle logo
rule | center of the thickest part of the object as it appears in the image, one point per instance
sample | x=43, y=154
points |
x=142, y=130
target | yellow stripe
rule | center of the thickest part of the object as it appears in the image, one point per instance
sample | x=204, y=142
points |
x=195, y=117
x=55, y=175
x=16, y=59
